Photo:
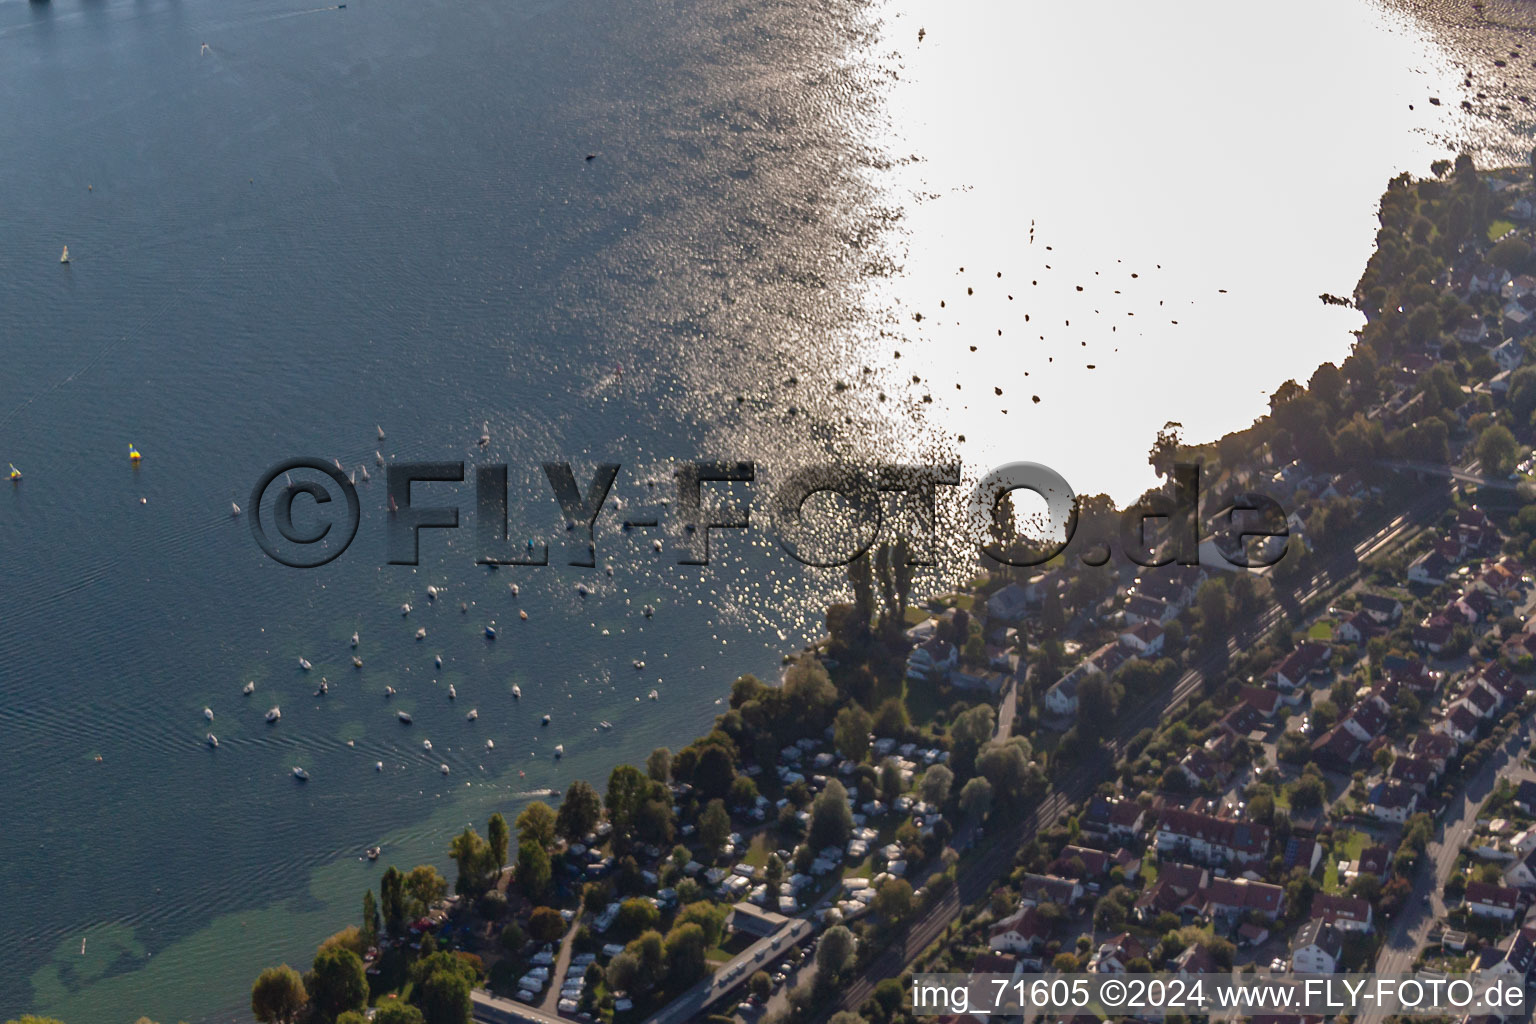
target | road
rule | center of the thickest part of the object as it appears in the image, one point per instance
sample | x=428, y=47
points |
x=980, y=876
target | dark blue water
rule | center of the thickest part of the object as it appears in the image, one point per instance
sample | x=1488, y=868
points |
x=330, y=220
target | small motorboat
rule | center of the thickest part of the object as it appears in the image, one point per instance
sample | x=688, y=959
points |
x=305, y=665
x=581, y=589
x=452, y=693
x=208, y=713
x=405, y=609
x=300, y=774
x=431, y=592
x=545, y=720
x=517, y=692
x=389, y=691
x=324, y=688
x=357, y=662
x=605, y=725
x=443, y=768
x=274, y=714
x=404, y=716
x=249, y=688
x=355, y=640
x=653, y=695
x=490, y=631
x=213, y=741
x=638, y=664
x=522, y=615
x=490, y=744
x=438, y=661
x=648, y=610
x=426, y=745
x=378, y=766
x=474, y=713
x=513, y=588
x=372, y=853
x=421, y=634
x=559, y=749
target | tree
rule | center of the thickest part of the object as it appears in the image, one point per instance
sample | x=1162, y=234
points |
x=499, y=837
x=337, y=983
x=393, y=1011
x=445, y=999
x=278, y=995
x=893, y=901
x=936, y=783
x=685, y=948
x=546, y=924
x=708, y=916
x=423, y=887
x=627, y=790
x=623, y=972
x=976, y=797
x=890, y=780
x=580, y=811
x=533, y=872
x=891, y=717
x=636, y=916
x=760, y=985
x=831, y=817
x=714, y=827
x=471, y=854
x=834, y=953
x=1496, y=450
x=659, y=765
x=850, y=732
x=392, y=897
x=536, y=824
x=370, y=919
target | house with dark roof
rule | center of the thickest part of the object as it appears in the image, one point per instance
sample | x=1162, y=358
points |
x=1459, y=724
x=1417, y=773
x=1036, y=889
x=1262, y=699
x=1346, y=913
x=1392, y=801
x=1210, y=840
x=1435, y=747
x=1024, y=931
x=1384, y=610
x=1316, y=948
x=1115, y=954
x=1483, y=899
x=1113, y=819
x=1175, y=891
x=1307, y=662
x=1009, y=604
x=1229, y=898
x=1410, y=672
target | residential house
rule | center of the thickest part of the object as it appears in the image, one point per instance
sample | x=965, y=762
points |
x=1145, y=639
x=1316, y=949
x=1346, y=913
x=1483, y=899
x=1210, y=840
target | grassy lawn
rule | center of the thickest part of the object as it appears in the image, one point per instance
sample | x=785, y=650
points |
x=1354, y=842
x=1498, y=229
x=1322, y=629
x=758, y=851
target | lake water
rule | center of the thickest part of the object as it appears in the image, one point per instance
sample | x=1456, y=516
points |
x=290, y=225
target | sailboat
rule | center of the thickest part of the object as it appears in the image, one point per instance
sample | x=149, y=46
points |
x=15, y=473
x=234, y=509
x=65, y=257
